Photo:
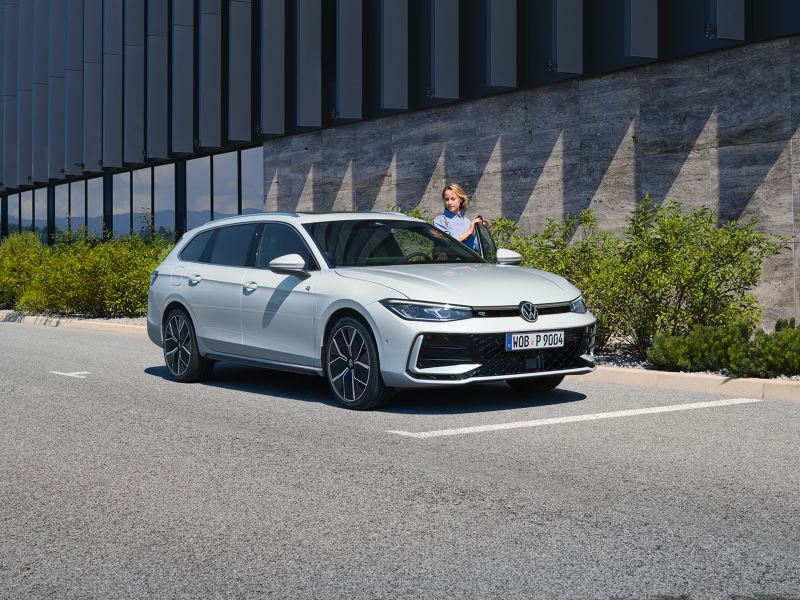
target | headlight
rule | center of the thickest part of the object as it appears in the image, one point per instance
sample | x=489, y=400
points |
x=153, y=277
x=427, y=311
x=578, y=306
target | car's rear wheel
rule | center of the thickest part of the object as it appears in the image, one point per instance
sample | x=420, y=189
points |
x=181, y=354
x=351, y=366
x=536, y=385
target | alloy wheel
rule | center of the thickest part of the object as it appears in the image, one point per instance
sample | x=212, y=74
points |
x=349, y=364
x=177, y=345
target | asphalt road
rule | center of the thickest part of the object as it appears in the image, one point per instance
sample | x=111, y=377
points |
x=116, y=482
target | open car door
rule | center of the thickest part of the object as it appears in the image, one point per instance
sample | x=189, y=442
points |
x=487, y=248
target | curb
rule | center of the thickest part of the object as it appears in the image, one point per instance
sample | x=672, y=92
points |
x=762, y=389
x=10, y=316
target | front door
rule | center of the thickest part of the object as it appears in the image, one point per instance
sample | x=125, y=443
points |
x=278, y=320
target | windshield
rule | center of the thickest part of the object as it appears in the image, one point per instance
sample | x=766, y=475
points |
x=368, y=242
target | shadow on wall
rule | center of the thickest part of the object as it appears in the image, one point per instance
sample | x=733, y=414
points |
x=694, y=130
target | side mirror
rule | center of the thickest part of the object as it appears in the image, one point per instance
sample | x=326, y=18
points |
x=289, y=263
x=508, y=257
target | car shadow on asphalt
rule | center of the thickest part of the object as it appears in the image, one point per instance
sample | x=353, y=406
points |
x=473, y=398
x=265, y=382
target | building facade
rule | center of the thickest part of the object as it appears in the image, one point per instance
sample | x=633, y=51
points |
x=116, y=111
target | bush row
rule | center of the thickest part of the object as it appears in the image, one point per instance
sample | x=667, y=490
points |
x=733, y=348
x=79, y=274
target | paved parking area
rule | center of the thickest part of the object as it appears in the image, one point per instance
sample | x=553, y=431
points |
x=117, y=482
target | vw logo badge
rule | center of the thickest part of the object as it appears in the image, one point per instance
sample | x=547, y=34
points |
x=528, y=311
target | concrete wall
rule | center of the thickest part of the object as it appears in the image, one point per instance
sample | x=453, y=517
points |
x=718, y=130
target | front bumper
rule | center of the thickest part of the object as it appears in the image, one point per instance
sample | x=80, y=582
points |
x=456, y=357
x=434, y=354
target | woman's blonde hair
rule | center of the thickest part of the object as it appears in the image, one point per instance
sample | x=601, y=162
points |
x=458, y=191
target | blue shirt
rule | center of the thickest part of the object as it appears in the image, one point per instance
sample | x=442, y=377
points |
x=455, y=225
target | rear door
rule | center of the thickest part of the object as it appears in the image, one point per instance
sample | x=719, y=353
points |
x=214, y=285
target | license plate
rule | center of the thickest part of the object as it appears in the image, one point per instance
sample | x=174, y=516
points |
x=534, y=340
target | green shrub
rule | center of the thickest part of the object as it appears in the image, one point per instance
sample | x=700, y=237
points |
x=80, y=274
x=20, y=254
x=732, y=348
x=680, y=270
x=768, y=355
x=705, y=348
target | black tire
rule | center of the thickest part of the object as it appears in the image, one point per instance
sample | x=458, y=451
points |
x=351, y=366
x=536, y=385
x=181, y=354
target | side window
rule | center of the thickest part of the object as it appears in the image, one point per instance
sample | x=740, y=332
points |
x=235, y=245
x=193, y=251
x=278, y=240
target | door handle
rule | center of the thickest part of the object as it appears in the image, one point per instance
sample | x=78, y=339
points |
x=250, y=286
x=195, y=279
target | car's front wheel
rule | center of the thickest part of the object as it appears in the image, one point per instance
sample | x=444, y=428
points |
x=351, y=366
x=536, y=385
x=181, y=354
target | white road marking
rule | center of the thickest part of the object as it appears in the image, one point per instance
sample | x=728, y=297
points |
x=76, y=374
x=576, y=418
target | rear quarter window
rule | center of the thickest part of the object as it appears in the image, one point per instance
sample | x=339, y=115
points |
x=193, y=251
x=233, y=246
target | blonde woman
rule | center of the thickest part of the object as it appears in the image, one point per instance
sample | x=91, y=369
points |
x=452, y=221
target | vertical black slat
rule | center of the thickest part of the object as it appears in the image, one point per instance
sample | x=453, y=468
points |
x=180, y=198
x=501, y=44
x=152, y=200
x=641, y=28
x=10, y=131
x=130, y=201
x=309, y=63
x=39, y=84
x=182, y=109
x=445, y=49
x=239, y=182
x=210, y=74
x=112, y=83
x=568, y=36
x=273, y=67
x=728, y=19
x=157, y=105
x=211, y=184
x=2, y=101
x=4, y=215
x=51, y=213
x=239, y=71
x=108, y=205
x=56, y=90
x=349, y=62
x=134, y=83
x=93, y=85
x=73, y=98
x=394, y=55
x=24, y=94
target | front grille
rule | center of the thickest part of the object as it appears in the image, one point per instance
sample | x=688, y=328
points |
x=513, y=311
x=489, y=351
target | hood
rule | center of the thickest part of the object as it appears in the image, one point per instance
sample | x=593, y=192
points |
x=477, y=284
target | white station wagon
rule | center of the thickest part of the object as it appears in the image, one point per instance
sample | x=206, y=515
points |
x=371, y=301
